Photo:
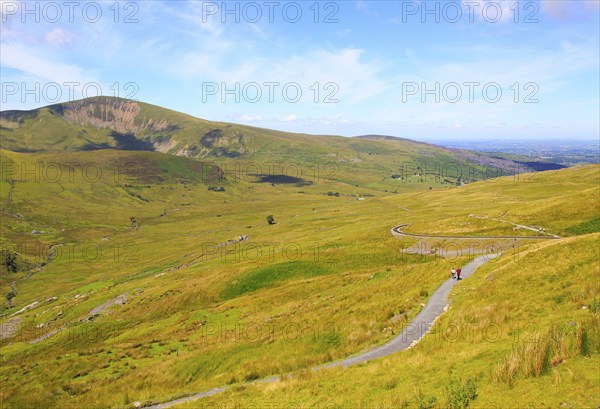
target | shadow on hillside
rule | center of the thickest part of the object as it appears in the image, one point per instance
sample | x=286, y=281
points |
x=542, y=166
x=280, y=179
x=124, y=141
x=128, y=142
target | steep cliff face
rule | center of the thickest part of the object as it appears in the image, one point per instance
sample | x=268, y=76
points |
x=97, y=123
x=121, y=116
x=134, y=128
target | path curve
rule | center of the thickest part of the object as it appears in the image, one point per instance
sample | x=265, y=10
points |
x=398, y=231
x=521, y=226
x=410, y=336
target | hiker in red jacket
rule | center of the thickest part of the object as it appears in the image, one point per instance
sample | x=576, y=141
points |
x=458, y=271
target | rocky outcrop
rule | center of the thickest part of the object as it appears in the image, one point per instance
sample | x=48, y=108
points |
x=119, y=115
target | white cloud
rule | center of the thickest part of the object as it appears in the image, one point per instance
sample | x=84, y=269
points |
x=549, y=69
x=317, y=72
x=198, y=13
x=30, y=62
x=245, y=118
x=332, y=121
x=59, y=38
x=352, y=78
x=552, y=71
x=289, y=118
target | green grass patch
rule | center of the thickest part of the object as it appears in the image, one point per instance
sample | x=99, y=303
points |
x=270, y=275
x=587, y=227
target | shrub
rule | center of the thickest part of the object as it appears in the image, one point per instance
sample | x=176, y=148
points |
x=460, y=395
x=9, y=261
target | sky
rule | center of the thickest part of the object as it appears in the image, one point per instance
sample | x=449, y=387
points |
x=430, y=70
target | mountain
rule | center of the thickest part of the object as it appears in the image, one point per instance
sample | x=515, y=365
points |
x=113, y=123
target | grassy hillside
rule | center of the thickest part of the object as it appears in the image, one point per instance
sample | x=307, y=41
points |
x=134, y=284
x=521, y=333
x=381, y=163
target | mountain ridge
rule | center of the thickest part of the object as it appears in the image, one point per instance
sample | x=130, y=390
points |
x=116, y=123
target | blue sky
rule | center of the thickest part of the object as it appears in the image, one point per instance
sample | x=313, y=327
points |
x=421, y=70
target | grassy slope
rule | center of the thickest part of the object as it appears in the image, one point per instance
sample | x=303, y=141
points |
x=554, y=200
x=538, y=350
x=88, y=124
x=181, y=328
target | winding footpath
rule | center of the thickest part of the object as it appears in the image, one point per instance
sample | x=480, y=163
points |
x=409, y=337
x=422, y=323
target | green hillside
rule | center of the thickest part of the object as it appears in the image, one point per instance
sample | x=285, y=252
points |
x=381, y=163
x=136, y=279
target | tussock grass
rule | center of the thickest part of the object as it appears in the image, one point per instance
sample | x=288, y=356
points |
x=537, y=355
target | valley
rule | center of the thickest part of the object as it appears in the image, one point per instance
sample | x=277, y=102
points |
x=166, y=278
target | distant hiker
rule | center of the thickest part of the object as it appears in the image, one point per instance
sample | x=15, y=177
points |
x=458, y=271
x=453, y=272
